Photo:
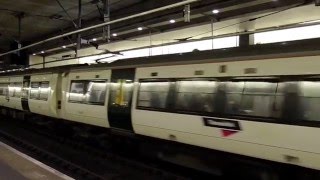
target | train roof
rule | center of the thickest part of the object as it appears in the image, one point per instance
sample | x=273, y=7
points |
x=252, y=52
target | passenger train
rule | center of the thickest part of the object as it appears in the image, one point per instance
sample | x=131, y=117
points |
x=262, y=106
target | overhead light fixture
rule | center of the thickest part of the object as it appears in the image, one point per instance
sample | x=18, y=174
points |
x=215, y=11
x=172, y=21
x=114, y=34
x=64, y=47
x=42, y=52
x=34, y=54
x=94, y=39
x=140, y=28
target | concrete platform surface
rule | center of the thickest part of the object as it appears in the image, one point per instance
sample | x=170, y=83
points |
x=15, y=165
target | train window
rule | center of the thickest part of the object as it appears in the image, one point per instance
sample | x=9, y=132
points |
x=34, y=90
x=293, y=108
x=153, y=94
x=310, y=100
x=77, y=90
x=195, y=95
x=121, y=92
x=88, y=92
x=44, y=91
x=256, y=99
x=96, y=92
x=15, y=89
x=3, y=89
x=39, y=90
x=234, y=92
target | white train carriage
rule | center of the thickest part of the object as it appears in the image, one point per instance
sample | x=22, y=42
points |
x=84, y=97
x=247, y=107
x=42, y=94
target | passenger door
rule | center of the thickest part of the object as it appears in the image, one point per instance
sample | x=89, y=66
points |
x=120, y=99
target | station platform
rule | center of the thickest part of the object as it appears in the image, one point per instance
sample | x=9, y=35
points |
x=15, y=165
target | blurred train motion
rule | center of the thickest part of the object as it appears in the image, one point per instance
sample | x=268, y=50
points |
x=261, y=108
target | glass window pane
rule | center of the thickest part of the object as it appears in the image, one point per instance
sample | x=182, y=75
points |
x=76, y=93
x=15, y=89
x=3, y=89
x=310, y=100
x=18, y=89
x=292, y=109
x=196, y=95
x=153, y=94
x=234, y=87
x=96, y=93
x=253, y=98
x=260, y=87
x=34, y=91
x=44, y=91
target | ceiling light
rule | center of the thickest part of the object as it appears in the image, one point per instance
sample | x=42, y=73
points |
x=172, y=21
x=34, y=54
x=42, y=52
x=140, y=28
x=94, y=39
x=114, y=34
x=64, y=47
x=215, y=11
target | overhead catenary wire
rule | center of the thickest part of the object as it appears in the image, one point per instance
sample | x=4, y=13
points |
x=104, y=24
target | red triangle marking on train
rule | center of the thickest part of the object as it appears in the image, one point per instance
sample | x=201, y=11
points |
x=226, y=132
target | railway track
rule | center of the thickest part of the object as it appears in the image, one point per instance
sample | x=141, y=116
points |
x=77, y=159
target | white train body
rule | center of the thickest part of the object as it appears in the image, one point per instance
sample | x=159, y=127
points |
x=267, y=140
x=254, y=90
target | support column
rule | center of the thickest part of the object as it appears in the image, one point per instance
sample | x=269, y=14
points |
x=79, y=27
x=19, y=16
x=43, y=61
x=106, y=18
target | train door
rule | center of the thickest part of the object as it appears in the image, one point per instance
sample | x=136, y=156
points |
x=25, y=93
x=120, y=99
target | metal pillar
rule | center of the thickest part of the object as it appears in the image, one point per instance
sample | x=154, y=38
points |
x=43, y=61
x=19, y=27
x=79, y=27
x=106, y=18
x=212, y=34
x=19, y=16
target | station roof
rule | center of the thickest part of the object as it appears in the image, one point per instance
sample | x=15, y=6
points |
x=41, y=19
